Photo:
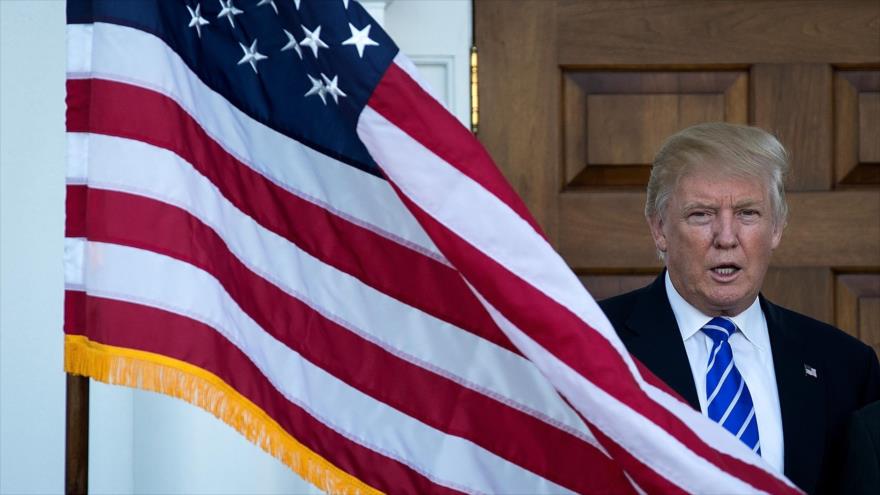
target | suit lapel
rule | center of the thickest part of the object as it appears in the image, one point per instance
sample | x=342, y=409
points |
x=652, y=335
x=801, y=400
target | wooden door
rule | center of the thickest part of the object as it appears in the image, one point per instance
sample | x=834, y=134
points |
x=577, y=95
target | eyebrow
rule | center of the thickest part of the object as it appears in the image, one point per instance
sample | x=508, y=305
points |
x=697, y=204
x=714, y=206
x=748, y=202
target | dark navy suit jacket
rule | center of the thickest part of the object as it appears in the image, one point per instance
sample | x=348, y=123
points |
x=815, y=410
x=861, y=472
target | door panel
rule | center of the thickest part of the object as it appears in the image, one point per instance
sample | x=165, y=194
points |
x=576, y=97
x=858, y=306
x=614, y=122
x=628, y=32
x=793, y=101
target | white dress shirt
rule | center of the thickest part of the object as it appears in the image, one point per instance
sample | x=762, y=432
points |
x=753, y=358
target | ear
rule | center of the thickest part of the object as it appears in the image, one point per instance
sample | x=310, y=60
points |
x=777, y=235
x=656, y=224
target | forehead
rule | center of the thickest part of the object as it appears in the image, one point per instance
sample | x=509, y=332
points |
x=709, y=185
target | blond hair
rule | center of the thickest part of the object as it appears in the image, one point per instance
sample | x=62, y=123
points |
x=736, y=150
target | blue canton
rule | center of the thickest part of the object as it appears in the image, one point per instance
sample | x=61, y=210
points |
x=303, y=67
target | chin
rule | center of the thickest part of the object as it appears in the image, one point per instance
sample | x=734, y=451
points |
x=730, y=301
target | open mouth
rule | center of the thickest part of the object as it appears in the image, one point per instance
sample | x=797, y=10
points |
x=726, y=270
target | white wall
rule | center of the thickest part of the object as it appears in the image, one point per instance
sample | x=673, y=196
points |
x=31, y=229
x=436, y=35
x=140, y=442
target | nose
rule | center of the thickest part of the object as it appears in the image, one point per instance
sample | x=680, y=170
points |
x=725, y=231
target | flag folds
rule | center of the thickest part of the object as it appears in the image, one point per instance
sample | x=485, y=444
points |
x=270, y=217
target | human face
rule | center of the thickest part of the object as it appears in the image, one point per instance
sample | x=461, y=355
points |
x=717, y=233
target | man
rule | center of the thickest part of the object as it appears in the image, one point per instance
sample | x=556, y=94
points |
x=861, y=470
x=781, y=382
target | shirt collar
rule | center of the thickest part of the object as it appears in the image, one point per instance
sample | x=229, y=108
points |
x=690, y=319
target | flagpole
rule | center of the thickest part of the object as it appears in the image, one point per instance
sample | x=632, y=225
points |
x=76, y=461
x=475, y=93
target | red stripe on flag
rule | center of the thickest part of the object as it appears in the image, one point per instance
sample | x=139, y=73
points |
x=153, y=330
x=405, y=104
x=75, y=207
x=652, y=379
x=74, y=312
x=140, y=222
x=649, y=480
x=101, y=106
x=564, y=335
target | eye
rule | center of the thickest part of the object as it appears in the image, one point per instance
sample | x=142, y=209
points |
x=750, y=213
x=698, y=216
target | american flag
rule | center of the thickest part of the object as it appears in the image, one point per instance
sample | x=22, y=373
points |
x=269, y=216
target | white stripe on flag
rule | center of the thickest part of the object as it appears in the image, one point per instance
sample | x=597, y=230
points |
x=74, y=262
x=713, y=434
x=147, y=278
x=125, y=165
x=410, y=68
x=294, y=167
x=77, y=157
x=637, y=434
x=79, y=48
x=420, y=174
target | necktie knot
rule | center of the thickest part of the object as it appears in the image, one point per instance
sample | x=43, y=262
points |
x=719, y=329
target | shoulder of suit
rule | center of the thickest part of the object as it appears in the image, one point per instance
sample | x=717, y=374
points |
x=818, y=334
x=621, y=305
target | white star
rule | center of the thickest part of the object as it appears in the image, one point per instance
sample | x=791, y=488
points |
x=197, y=20
x=292, y=43
x=269, y=2
x=317, y=88
x=345, y=2
x=296, y=2
x=313, y=40
x=251, y=55
x=331, y=88
x=228, y=11
x=360, y=39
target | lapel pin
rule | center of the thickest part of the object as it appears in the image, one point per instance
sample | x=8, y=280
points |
x=810, y=371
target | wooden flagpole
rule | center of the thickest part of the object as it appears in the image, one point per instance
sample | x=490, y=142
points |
x=76, y=460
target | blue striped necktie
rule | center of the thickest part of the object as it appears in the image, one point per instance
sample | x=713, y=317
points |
x=727, y=394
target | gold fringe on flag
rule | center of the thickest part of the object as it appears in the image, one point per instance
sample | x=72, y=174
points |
x=157, y=373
